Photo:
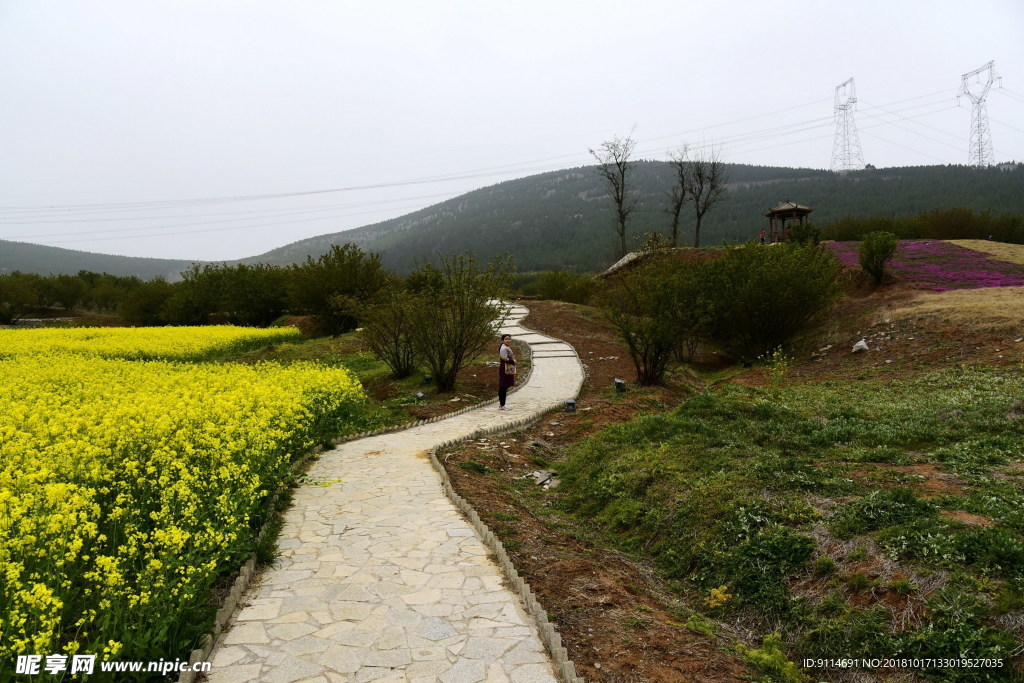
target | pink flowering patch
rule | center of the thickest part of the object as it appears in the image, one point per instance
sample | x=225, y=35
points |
x=940, y=266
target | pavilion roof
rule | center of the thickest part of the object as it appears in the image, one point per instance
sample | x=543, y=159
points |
x=788, y=207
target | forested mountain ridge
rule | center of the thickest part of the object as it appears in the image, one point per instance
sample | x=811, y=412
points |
x=43, y=260
x=563, y=219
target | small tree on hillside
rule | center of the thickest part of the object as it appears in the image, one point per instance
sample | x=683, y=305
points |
x=456, y=307
x=614, y=165
x=875, y=250
x=658, y=311
x=678, y=195
x=388, y=329
x=706, y=181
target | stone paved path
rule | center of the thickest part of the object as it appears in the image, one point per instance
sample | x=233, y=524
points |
x=381, y=578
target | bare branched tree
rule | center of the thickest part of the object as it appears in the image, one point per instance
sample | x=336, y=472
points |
x=706, y=181
x=614, y=165
x=677, y=196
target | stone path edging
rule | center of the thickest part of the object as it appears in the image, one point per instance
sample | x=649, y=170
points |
x=564, y=667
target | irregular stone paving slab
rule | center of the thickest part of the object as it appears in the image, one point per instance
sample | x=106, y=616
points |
x=380, y=577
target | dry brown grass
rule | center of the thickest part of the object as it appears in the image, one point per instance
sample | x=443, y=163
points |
x=1013, y=253
x=986, y=310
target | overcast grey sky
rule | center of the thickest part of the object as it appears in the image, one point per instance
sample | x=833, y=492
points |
x=156, y=128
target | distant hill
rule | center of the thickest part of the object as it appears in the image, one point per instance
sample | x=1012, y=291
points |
x=35, y=258
x=563, y=219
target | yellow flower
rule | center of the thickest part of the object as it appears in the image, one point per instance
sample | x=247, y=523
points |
x=133, y=482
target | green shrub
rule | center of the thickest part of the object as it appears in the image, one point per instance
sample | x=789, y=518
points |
x=700, y=624
x=761, y=298
x=639, y=305
x=825, y=566
x=875, y=250
x=771, y=660
x=560, y=285
x=805, y=233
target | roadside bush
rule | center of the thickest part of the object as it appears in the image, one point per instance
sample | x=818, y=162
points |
x=761, y=298
x=875, y=250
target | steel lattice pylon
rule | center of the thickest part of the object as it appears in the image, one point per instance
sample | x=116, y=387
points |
x=980, y=151
x=846, y=152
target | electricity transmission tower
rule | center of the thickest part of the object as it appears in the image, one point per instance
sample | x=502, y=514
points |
x=980, y=152
x=846, y=154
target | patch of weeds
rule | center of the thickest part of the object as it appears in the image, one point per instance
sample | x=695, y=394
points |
x=957, y=626
x=1008, y=599
x=771, y=660
x=857, y=554
x=992, y=550
x=540, y=461
x=976, y=457
x=881, y=509
x=837, y=627
x=929, y=543
x=505, y=517
x=473, y=466
x=903, y=586
x=698, y=623
x=636, y=622
x=512, y=546
x=758, y=568
x=882, y=454
x=858, y=582
x=504, y=531
x=831, y=605
x=825, y=566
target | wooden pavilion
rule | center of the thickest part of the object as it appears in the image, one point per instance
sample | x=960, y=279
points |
x=777, y=217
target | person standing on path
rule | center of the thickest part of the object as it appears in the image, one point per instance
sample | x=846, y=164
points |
x=506, y=369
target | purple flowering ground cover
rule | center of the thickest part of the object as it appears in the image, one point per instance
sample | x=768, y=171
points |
x=940, y=266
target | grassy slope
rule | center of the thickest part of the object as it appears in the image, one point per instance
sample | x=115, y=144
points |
x=859, y=514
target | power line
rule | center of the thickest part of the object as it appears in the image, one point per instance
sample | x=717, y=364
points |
x=269, y=212
x=903, y=146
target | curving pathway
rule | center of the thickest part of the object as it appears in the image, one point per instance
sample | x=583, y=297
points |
x=380, y=577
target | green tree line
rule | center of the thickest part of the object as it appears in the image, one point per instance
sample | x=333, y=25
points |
x=331, y=287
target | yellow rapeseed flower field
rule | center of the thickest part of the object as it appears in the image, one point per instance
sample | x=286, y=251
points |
x=144, y=343
x=127, y=487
